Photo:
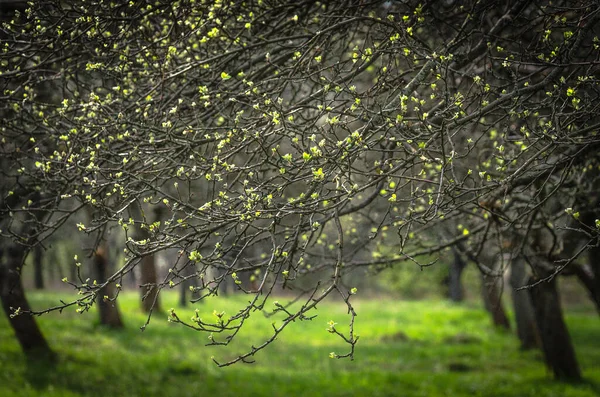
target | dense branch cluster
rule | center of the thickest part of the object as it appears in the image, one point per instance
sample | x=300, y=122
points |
x=276, y=139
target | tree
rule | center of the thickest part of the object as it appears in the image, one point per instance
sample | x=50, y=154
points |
x=109, y=312
x=286, y=138
x=21, y=229
x=13, y=298
x=148, y=273
x=455, y=287
x=527, y=330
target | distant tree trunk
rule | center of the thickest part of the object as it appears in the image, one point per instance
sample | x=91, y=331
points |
x=148, y=274
x=51, y=263
x=589, y=219
x=148, y=278
x=556, y=341
x=71, y=270
x=133, y=283
x=227, y=285
x=38, y=270
x=524, y=315
x=588, y=274
x=12, y=294
x=587, y=278
x=491, y=291
x=594, y=260
x=109, y=312
x=455, y=288
x=184, y=287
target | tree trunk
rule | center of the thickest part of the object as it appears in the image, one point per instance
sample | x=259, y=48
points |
x=148, y=273
x=491, y=292
x=38, y=271
x=455, y=288
x=227, y=285
x=491, y=289
x=587, y=278
x=594, y=260
x=72, y=270
x=183, y=288
x=51, y=260
x=524, y=315
x=589, y=219
x=556, y=341
x=109, y=312
x=12, y=294
x=133, y=282
x=150, y=292
x=588, y=274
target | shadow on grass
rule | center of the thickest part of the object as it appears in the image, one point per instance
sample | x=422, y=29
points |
x=42, y=371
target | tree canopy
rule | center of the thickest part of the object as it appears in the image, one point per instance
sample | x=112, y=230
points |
x=278, y=139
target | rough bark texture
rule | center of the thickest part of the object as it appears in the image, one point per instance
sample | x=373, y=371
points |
x=524, y=315
x=12, y=294
x=556, y=341
x=491, y=291
x=455, y=288
x=109, y=312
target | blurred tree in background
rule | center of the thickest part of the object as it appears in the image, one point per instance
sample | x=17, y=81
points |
x=256, y=143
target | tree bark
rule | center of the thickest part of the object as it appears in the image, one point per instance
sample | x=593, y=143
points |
x=491, y=292
x=132, y=279
x=556, y=341
x=491, y=289
x=587, y=278
x=183, y=300
x=455, y=288
x=587, y=274
x=184, y=287
x=524, y=315
x=227, y=285
x=12, y=294
x=148, y=273
x=109, y=311
x=148, y=278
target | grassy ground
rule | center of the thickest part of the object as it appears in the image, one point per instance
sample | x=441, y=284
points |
x=426, y=348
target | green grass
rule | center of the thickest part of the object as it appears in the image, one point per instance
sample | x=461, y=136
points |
x=426, y=348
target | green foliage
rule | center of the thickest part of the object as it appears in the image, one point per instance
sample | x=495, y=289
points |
x=428, y=348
